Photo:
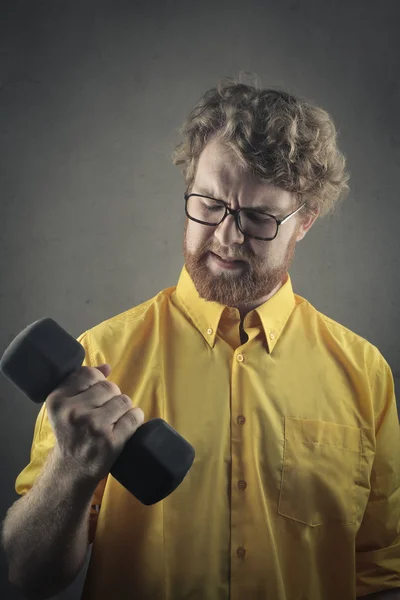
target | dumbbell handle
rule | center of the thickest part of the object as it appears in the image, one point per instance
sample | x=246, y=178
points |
x=154, y=461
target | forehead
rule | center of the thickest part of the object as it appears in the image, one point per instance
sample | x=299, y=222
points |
x=220, y=175
x=220, y=162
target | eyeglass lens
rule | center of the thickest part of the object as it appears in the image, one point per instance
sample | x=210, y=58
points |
x=211, y=211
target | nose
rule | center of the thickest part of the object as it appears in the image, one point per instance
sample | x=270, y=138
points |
x=228, y=233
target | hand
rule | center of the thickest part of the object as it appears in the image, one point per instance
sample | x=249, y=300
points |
x=92, y=421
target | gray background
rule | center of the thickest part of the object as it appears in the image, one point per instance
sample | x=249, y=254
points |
x=92, y=210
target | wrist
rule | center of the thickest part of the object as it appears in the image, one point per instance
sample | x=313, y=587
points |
x=70, y=474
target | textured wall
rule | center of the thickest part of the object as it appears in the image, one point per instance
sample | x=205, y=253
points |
x=92, y=209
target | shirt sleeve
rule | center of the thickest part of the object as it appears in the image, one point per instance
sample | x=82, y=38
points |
x=44, y=441
x=377, y=544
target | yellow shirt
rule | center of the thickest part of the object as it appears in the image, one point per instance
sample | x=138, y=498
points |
x=294, y=493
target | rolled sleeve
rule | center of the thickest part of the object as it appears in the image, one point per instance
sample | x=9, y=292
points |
x=377, y=543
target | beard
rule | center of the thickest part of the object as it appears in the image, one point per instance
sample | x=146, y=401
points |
x=237, y=288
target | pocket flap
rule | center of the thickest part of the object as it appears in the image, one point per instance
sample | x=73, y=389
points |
x=323, y=433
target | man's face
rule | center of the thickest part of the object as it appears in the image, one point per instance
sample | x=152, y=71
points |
x=264, y=264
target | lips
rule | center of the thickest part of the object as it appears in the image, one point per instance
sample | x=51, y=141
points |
x=227, y=259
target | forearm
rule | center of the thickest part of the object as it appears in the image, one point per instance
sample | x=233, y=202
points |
x=45, y=533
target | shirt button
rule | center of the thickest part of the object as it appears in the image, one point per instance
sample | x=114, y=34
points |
x=242, y=485
x=272, y=336
x=241, y=420
x=209, y=331
x=241, y=552
x=240, y=357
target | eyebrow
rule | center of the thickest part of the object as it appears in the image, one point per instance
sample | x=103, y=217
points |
x=270, y=207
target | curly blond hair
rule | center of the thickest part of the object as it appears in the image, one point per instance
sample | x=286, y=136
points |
x=281, y=139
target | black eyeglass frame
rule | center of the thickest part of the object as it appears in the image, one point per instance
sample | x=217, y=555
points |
x=235, y=212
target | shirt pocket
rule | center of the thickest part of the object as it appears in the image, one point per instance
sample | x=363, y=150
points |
x=321, y=463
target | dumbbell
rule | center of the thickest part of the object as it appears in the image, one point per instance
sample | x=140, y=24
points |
x=154, y=461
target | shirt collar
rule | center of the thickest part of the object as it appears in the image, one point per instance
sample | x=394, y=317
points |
x=206, y=315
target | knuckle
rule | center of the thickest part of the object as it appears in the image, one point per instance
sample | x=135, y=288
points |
x=89, y=374
x=87, y=370
x=94, y=425
x=125, y=401
x=110, y=387
x=83, y=378
x=139, y=414
x=132, y=416
x=73, y=414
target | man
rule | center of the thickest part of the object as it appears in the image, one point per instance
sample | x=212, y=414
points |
x=295, y=489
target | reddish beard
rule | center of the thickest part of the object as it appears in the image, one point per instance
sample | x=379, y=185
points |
x=241, y=287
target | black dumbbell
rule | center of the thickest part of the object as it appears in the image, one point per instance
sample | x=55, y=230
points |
x=154, y=461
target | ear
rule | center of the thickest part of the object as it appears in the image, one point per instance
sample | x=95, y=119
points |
x=306, y=224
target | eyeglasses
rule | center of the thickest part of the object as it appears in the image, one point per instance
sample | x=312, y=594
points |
x=253, y=223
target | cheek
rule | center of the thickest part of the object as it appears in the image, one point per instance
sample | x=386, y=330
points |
x=197, y=237
x=259, y=251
